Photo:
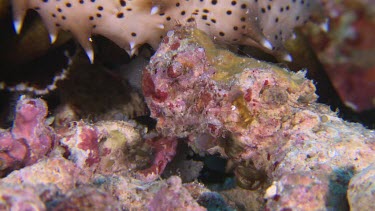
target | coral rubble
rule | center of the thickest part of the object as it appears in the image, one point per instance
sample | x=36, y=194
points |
x=103, y=166
x=279, y=149
x=29, y=139
x=255, y=112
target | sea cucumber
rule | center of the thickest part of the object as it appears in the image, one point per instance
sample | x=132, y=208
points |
x=265, y=24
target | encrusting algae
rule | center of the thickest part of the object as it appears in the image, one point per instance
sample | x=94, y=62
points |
x=268, y=114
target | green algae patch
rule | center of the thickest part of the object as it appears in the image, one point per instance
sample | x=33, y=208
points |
x=245, y=114
x=229, y=64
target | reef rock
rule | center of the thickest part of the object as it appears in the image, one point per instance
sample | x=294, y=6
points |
x=256, y=114
x=29, y=139
x=361, y=190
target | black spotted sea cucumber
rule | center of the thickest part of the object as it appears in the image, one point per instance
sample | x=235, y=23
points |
x=266, y=24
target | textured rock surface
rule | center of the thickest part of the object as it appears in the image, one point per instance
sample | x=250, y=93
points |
x=20, y=198
x=58, y=171
x=92, y=167
x=361, y=190
x=29, y=139
x=173, y=196
x=249, y=110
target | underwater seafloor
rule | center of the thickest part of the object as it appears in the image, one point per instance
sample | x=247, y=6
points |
x=191, y=125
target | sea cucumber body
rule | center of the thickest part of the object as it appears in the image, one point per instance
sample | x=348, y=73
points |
x=264, y=24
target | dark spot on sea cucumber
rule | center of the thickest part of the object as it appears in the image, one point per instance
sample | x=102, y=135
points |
x=122, y=3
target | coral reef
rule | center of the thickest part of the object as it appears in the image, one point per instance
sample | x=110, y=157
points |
x=29, y=139
x=265, y=24
x=251, y=111
x=91, y=167
x=250, y=130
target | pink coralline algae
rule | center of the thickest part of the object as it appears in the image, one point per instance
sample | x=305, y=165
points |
x=173, y=196
x=164, y=151
x=253, y=112
x=29, y=139
x=109, y=165
x=82, y=143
